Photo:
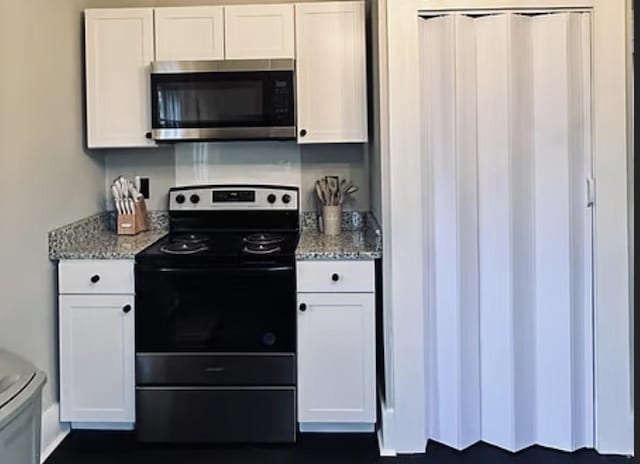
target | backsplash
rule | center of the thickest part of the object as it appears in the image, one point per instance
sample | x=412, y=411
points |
x=233, y=162
x=269, y=162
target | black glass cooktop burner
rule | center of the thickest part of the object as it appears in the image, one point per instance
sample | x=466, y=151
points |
x=183, y=248
x=190, y=238
x=263, y=239
x=261, y=249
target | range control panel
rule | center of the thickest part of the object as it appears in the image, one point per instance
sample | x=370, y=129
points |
x=233, y=198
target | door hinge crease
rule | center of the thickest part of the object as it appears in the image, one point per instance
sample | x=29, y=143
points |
x=591, y=192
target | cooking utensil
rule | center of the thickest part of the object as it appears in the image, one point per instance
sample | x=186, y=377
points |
x=333, y=183
x=123, y=188
x=320, y=193
x=346, y=188
x=116, y=198
x=352, y=189
x=325, y=191
x=133, y=192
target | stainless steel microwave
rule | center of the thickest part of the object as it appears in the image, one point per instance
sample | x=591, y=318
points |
x=222, y=100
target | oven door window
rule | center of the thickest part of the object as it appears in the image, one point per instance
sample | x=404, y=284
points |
x=222, y=311
x=229, y=99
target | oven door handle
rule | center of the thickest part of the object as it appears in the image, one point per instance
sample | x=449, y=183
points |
x=225, y=270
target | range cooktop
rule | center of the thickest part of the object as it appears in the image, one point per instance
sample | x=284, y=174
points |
x=228, y=225
x=221, y=248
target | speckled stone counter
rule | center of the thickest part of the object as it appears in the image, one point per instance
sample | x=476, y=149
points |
x=94, y=238
x=361, y=239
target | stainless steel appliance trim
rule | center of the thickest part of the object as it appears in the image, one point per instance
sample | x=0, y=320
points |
x=275, y=132
x=221, y=388
x=215, y=370
x=179, y=67
x=212, y=353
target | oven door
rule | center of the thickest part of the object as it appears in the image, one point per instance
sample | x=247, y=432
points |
x=209, y=310
x=222, y=100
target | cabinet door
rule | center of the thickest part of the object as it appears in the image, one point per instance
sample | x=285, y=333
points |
x=331, y=72
x=258, y=31
x=189, y=33
x=119, y=49
x=97, y=373
x=336, y=357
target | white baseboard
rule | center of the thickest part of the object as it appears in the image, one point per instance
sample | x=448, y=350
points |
x=103, y=425
x=385, y=432
x=337, y=427
x=53, y=431
x=385, y=452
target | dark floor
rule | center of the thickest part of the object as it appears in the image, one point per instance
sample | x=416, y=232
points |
x=84, y=447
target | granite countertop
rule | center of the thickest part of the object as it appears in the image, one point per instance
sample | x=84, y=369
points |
x=94, y=238
x=360, y=239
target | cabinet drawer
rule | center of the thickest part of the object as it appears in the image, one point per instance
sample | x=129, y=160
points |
x=216, y=414
x=335, y=276
x=96, y=276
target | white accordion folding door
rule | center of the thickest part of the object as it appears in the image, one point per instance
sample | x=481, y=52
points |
x=507, y=110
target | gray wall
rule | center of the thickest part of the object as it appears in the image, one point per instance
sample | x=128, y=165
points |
x=47, y=178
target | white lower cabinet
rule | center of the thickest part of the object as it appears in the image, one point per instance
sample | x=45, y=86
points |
x=336, y=360
x=97, y=358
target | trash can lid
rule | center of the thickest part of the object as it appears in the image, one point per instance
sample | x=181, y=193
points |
x=15, y=375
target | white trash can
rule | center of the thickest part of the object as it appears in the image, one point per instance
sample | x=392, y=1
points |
x=20, y=410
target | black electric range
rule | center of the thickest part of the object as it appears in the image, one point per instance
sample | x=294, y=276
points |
x=216, y=318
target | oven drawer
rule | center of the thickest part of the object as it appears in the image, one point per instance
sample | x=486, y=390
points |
x=216, y=414
x=215, y=369
x=335, y=276
x=96, y=276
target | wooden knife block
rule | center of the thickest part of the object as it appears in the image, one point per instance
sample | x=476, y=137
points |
x=132, y=224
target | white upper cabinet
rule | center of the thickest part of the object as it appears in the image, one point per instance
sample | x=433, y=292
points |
x=259, y=31
x=119, y=49
x=331, y=72
x=189, y=33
